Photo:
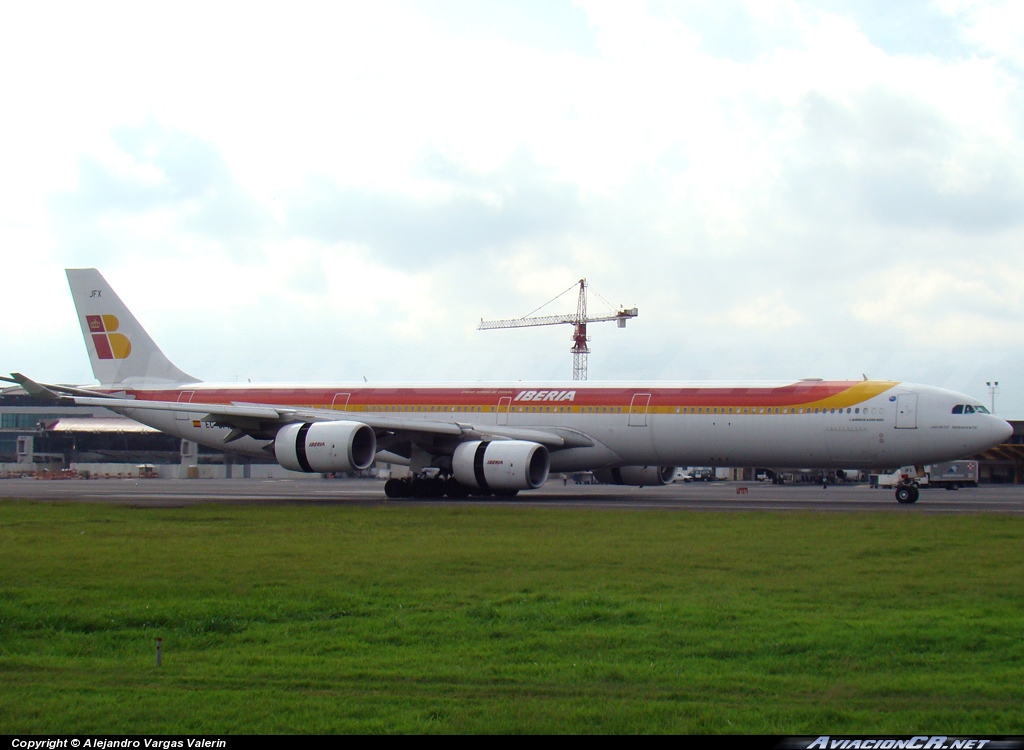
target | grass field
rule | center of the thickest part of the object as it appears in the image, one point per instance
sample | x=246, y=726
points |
x=502, y=619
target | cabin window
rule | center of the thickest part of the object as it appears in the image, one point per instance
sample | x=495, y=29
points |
x=981, y=410
x=968, y=409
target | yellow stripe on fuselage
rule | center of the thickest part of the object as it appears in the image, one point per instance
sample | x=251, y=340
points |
x=854, y=396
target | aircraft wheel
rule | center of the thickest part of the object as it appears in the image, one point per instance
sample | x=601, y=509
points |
x=455, y=489
x=423, y=488
x=906, y=494
x=396, y=488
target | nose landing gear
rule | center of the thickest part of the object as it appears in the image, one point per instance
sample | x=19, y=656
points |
x=907, y=493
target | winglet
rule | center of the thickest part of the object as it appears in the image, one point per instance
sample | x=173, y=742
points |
x=60, y=390
x=32, y=388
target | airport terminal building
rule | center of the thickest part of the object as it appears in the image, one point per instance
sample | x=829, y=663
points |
x=37, y=437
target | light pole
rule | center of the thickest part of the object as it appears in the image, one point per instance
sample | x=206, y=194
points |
x=993, y=389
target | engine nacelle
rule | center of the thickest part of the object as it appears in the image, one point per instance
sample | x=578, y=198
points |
x=498, y=465
x=325, y=446
x=637, y=476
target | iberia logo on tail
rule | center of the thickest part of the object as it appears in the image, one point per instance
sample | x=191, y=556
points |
x=109, y=345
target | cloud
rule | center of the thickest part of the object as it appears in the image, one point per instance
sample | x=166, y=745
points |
x=346, y=189
x=152, y=184
x=900, y=162
x=461, y=214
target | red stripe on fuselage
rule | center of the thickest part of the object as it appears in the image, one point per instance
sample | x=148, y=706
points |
x=787, y=395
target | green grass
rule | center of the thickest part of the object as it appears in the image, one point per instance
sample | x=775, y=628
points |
x=466, y=619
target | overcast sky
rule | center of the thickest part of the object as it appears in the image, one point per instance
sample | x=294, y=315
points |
x=327, y=191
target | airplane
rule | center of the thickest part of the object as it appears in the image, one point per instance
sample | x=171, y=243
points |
x=500, y=438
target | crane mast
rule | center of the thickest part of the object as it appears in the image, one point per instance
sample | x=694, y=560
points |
x=580, y=349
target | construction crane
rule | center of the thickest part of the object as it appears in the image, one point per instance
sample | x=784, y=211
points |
x=579, y=321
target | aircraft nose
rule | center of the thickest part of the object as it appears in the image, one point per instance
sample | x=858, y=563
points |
x=993, y=432
x=1003, y=430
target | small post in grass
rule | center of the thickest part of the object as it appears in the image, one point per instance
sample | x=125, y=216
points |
x=159, y=651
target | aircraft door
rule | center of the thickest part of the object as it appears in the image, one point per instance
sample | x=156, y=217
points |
x=638, y=409
x=185, y=397
x=340, y=401
x=906, y=411
x=503, y=406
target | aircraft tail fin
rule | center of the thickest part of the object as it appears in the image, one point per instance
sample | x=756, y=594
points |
x=121, y=352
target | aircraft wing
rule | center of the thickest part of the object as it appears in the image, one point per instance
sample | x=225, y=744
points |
x=48, y=391
x=262, y=421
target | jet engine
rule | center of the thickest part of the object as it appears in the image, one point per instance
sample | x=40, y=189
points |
x=500, y=465
x=637, y=476
x=325, y=446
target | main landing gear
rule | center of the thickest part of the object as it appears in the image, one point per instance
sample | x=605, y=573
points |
x=907, y=493
x=428, y=488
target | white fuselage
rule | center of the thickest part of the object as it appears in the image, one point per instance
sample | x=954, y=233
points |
x=815, y=424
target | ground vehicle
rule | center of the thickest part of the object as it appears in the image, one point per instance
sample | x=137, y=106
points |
x=950, y=474
x=953, y=474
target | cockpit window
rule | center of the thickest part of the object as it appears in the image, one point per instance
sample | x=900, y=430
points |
x=969, y=409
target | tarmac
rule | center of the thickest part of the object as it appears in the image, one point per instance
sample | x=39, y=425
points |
x=713, y=496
